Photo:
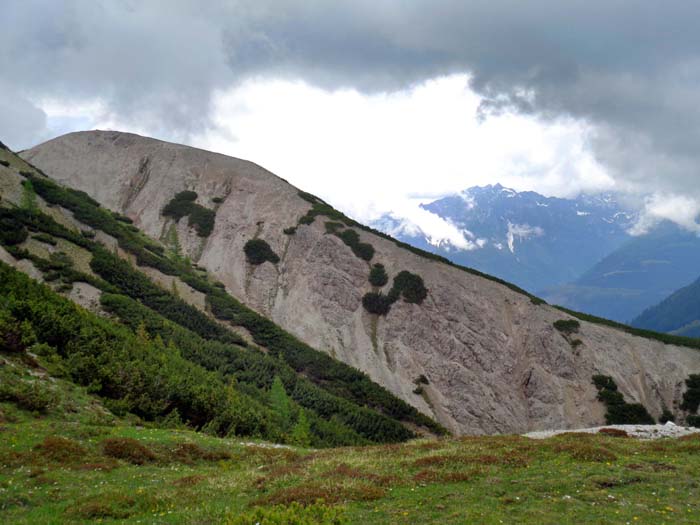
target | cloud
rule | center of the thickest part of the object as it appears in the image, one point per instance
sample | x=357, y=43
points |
x=626, y=74
x=680, y=209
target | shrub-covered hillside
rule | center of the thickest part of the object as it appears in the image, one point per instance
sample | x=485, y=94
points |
x=179, y=363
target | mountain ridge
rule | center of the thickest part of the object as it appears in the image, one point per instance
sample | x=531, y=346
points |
x=474, y=340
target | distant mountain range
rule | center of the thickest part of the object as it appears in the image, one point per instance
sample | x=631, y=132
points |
x=640, y=273
x=678, y=314
x=574, y=252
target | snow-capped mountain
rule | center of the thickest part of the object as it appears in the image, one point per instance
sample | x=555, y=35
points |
x=534, y=241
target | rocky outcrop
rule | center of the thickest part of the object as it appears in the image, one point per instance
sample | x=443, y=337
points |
x=492, y=359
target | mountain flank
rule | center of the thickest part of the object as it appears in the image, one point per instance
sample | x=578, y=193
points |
x=478, y=355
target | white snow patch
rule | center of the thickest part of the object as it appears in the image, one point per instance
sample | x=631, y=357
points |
x=582, y=213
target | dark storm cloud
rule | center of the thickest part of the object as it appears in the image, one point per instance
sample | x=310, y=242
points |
x=630, y=68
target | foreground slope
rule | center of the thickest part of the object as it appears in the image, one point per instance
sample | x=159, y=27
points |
x=54, y=471
x=477, y=355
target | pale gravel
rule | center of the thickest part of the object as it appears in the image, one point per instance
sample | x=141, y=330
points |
x=668, y=430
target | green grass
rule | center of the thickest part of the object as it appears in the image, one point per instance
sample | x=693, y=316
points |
x=194, y=478
x=77, y=463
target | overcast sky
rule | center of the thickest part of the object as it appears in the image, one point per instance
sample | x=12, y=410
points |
x=375, y=105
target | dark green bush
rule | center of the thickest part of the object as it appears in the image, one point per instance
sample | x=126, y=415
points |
x=693, y=421
x=12, y=230
x=28, y=395
x=377, y=303
x=122, y=218
x=183, y=205
x=180, y=205
x=290, y=231
x=410, y=286
x=378, y=275
x=667, y=416
x=135, y=284
x=4, y=163
x=567, y=326
x=202, y=219
x=607, y=382
x=45, y=238
x=218, y=200
x=257, y=251
x=628, y=414
x=333, y=227
x=362, y=250
x=691, y=397
x=618, y=411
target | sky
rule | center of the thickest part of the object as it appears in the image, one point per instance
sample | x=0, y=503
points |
x=377, y=106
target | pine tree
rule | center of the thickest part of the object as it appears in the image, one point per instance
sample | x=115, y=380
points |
x=301, y=433
x=281, y=405
x=29, y=202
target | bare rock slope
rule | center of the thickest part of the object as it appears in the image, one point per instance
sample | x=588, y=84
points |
x=493, y=360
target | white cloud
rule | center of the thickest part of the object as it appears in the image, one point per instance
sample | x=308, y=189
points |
x=370, y=154
x=681, y=209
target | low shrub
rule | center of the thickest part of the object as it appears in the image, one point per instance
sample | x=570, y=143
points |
x=377, y=303
x=183, y=205
x=180, y=205
x=619, y=412
x=317, y=513
x=127, y=449
x=28, y=395
x=4, y=163
x=45, y=238
x=60, y=450
x=202, y=219
x=604, y=382
x=613, y=432
x=310, y=493
x=691, y=397
x=666, y=416
x=333, y=227
x=378, y=276
x=218, y=200
x=410, y=286
x=258, y=251
x=567, y=326
x=103, y=506
x=587, y=452
x=12, y=230
x=191, y=453
x=290, y=231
